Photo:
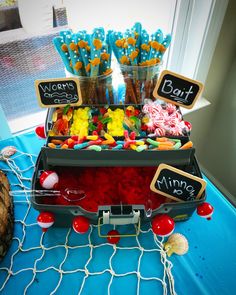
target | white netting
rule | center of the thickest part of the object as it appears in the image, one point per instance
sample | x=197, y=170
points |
x=19, y=169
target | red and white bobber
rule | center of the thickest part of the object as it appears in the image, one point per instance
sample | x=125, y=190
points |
x=80, y=224
x=163, y=225
x=40, y=131
x=205, y=210
x=188, y=125
x=113, y=237
x=45, y=220
x=49, y=179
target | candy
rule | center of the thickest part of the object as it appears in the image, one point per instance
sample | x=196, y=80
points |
x=56, y=141
x=96, y=148
x=115, y=127
x=141, y=148
x=80, y=122
x=92, y=137
x=95, y=142
x=133, y=147
x=163, y=119
x=118, y=147
x=177, y=145
x=81, y=146
x=187, y=145
x=109, y=143
x=152, y=142
x=64, y=146
x=51, y=145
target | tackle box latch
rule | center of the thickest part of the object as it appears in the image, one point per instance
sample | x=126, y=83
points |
x=117, y=215
x=108, y=218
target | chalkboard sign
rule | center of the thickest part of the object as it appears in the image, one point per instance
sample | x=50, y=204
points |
x=177, y=184
x=177, y=89
x=58, y=92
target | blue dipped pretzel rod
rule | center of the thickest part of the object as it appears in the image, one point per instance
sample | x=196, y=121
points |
x=84, y=50
x=164, y=45
x=97, y=39
x=132, y=53
x=77, y=63
x=65, y=33
x=156, y=40
x=145, y=47
x=62, y=49
x=117, y=44
x=96, y=92
x=137, y=30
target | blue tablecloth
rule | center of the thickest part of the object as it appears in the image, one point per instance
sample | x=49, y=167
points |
x=208, y=268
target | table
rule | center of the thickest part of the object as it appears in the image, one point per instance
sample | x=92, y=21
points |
x=63, y=262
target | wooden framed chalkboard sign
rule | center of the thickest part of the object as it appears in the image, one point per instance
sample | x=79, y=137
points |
x=177, y=89
x=177, y=184
x=58, y=92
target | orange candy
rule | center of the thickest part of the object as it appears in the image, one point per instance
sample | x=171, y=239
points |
x=187, y=145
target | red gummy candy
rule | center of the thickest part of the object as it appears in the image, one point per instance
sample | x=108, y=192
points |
x=95, y=119
x=75, y=137
x=103, y=111
x=128, y=113
x=144, y=127
x=61, y=125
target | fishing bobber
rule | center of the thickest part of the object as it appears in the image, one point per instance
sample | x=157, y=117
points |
x=163, y=225
x=40, y=131
x=80, y=224
x=113, y=236
x=45, y=220
x=49, y=179
x=188, y=125
x=205, y=210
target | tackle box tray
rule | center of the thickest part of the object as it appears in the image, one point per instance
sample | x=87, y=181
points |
x=73, y=157
x=49, y=124
x=65, y=214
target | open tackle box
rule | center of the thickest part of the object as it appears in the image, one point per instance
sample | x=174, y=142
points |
x=114, y=207
x=122, y=213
